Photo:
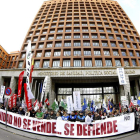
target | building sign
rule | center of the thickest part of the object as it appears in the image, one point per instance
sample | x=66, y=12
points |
x=101, y=128
x=83, y=73
x=121, y=76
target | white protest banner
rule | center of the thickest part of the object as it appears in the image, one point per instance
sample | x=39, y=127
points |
x=69, y=104
x=44, y=87
x=134, y=102
x=121, y=76
x=123, y=98
x=77, y=100
x=2, y=93
x=28, y=68
x=101, y=128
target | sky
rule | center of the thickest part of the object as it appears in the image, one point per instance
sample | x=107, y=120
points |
x=16, y=16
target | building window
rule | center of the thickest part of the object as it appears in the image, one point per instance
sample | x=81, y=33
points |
x=38, y=54
x=47, y=53
x=86, y=43
x=40, y=46
x=87, y=52
x=103, y=36
x=77, y=52
x=94, y=36
x=66, y=63
x=51, y=37
x=42, y=38
x=46, y=63
x=88, y=63
x=57, y=53
x=68, y=30
x=128, y=45
x=111, y=36
x=23, y=55
x=97, y=52
x=108, y=63
x=77, y=43
x=58, y=44
x=121, y=45
x=115, y=53
x=113, y=44
x=67, y=44
x=118, y=62
x=67, y=53
x=59, y=37
x=131, y=53
x=126, y=62
x=77, y=63
x=125, y=38
x=118, y=37
x=98, y=63
x=85, y=35
x=49, y=45
x=138, y=53
x=109, y=30
x=76, y=35
x=56, y=63
x=123, y=53
x=106, y=53
x=135, y=46
x=104, y=44
x=95, y=43
x=59, y=30
x=20, y=64
x=134, y=62
x=36, y=65
x=76, y=29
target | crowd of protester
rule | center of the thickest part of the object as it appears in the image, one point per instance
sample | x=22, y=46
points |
x=81, y=116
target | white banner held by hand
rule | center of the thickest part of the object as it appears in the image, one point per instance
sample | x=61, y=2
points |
x=69, y=104
x=77, y=100
x=2, y=93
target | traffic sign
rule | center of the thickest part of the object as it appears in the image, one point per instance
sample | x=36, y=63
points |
x=8, y=91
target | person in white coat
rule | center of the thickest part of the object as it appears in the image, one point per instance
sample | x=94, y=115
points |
x=58, y=116
x=89, y=119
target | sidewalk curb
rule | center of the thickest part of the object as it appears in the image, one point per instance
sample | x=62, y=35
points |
x=43, y=137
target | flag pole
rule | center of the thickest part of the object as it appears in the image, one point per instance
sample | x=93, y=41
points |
x=35, y=87
x=38, y=91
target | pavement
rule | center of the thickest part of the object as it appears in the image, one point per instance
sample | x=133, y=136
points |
x=10, y=133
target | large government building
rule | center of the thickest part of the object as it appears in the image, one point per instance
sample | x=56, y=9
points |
x=79, y=44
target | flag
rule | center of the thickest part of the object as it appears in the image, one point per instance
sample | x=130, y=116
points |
x=91, y=106
x=120, y=107
x=14, y=99
x=44, y=87
x=138, y=100
x=40, y=105
x=47, y=102
x=62, y=104
x=31, y=71
x=131, y=104
x=20, y=83
x=10, y=102
x=28, y=101
x=28, y=67
x=40, y=90
x=95, y=108
x=84, y=105
x=55, y=105
x=104, y=106
x=35, y=103
x=110, y=106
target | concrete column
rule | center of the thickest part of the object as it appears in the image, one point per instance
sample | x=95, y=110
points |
x=137, y=87
x=122, y=93
x=13, y=84
x=1, y=80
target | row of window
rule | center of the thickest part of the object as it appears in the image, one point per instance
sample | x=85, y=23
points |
x=87, y=36
x=84, y=29
x=77, y=63
x=87, y=52
x=78, y=43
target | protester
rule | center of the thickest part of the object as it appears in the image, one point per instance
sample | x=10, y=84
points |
x=21, y=111
x=80, y=117
x=46, y=114
x=2, y=106
x=27, y=113
x=89, y=119
x=97, y=116
x=14, y=109
x=138, y=120
x=32, y=113
x=72, y=117
x=104, y=116
x=65, y=117
x=39, y=114
x=58, y=116
x=51, y=115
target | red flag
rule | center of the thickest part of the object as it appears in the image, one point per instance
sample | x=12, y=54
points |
x=31, y=71
x=35, y=103
x=40, y=105
x=120, y=107
x=108, y=105
x=47, y=102
x=131, y=104
x=14, y=99
x=10, y=102
x=28, y=102
x=20, y=83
